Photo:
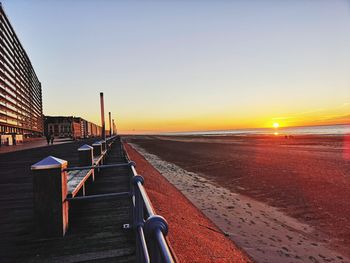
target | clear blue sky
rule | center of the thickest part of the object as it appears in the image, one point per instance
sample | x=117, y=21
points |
x=190, y=65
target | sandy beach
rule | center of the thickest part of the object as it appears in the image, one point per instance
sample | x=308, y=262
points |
x=192, y=235
x=280, y=199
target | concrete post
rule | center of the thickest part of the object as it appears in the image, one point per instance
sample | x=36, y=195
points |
x=97, y=148
x=50, y=192
x=103, y=143
x=86, y=157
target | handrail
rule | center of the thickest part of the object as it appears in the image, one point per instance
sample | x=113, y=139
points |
x=154, y=227
x=164, y=249
x=143, y=245
x=147, y=202
x=100, y=166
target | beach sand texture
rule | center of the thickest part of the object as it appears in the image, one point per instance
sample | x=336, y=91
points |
x=302, y=185
x=193, y=237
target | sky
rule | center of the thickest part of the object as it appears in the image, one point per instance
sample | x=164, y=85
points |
x=190, y=65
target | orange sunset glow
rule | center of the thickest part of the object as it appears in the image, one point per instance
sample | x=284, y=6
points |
x=225, y=121
x=175, y=131
x=163, y=72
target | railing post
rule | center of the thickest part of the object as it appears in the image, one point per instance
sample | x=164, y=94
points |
x=86, y=155
x=108, y=140
x=138, y=211
x=103, y=147
x=138, y=219
x=86, y=158
x=50, y=192
x=97, y=148
x=103, y=143
x=154, y=226
x=122, y=149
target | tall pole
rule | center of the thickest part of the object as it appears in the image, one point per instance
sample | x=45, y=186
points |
x=110, y=124
x=102, y=116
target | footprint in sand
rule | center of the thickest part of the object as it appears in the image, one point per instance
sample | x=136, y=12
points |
x=260, y=250
x=282, y=253
x=289, y=237
x=297, y=257
x=284, y=248
x=313, y=259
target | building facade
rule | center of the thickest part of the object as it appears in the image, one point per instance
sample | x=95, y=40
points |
x=70, y=127
x=21, y=110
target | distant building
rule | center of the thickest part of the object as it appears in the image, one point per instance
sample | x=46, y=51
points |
x=21, y=110
x=71, y=127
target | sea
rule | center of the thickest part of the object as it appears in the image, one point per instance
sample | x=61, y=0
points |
x=339, y=129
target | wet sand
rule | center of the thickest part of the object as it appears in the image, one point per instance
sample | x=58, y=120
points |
x=279, y=199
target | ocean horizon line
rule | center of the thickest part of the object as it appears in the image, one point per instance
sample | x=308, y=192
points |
x=329, y=129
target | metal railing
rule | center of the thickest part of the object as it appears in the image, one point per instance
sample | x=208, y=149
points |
x=151, y=229
x=131, y=163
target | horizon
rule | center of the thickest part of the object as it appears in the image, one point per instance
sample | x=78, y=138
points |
x=181, y=67
x=270, y=130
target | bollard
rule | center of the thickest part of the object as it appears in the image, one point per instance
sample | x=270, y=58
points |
x=97, y=148
x=86, y=157
x=103, y=145
x=50, y=192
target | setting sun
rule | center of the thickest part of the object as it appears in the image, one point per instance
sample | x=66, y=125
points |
x=276, y=125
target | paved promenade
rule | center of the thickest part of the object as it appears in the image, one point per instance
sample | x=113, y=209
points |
x=95, y=232
x=36, y=143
